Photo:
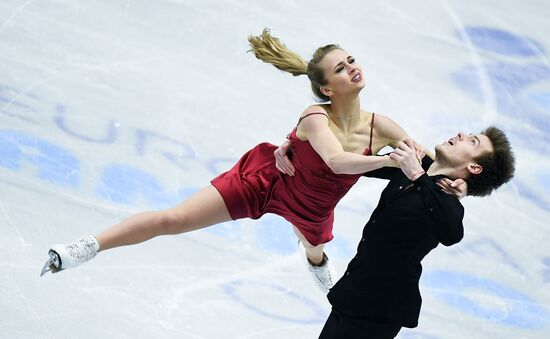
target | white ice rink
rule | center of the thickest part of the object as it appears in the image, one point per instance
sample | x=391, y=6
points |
x=108, y=108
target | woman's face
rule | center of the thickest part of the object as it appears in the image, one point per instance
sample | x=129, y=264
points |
x=342, y=72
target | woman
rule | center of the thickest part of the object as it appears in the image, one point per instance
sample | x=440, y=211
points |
x=332, y=147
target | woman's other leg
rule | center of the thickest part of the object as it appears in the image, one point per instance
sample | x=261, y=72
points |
x=314, y=253
x=318, y=264
x=204, y=208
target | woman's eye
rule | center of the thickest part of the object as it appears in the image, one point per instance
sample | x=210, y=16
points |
x=351, y=60
x=339, y=69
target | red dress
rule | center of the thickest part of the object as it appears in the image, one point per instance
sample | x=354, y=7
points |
x=254, y=187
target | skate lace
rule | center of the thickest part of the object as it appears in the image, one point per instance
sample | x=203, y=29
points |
x=82, y=250
x=322, y=275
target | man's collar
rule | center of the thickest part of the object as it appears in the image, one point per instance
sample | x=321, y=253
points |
x=426, y=163
x=438, y=176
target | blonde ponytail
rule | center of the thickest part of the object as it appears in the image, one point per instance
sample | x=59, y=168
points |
x=271, y=50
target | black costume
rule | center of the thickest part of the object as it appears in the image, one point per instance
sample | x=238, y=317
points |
x=378, y=293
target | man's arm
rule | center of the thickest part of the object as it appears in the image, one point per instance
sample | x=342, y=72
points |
x=389, y=172
x=444, y=209
x=282, y=161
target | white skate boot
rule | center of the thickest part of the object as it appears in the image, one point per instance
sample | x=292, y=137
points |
x=71, y=255
x=324, y=275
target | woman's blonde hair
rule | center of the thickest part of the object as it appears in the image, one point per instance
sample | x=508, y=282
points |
x=271, y=50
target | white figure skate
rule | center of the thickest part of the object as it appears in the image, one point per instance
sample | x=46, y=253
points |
x=324, y=275
x=63, y=257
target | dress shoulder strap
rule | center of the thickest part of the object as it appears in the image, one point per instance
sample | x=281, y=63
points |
x=371, y=128
x=307, y=115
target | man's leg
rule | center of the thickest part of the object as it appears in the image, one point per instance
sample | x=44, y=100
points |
x=340, y=326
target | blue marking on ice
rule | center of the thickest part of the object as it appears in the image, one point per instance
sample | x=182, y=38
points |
x=275, y=234
x=540, y=100
x=126, y=184
x=51, y=163
x=486, y=298
x=314, y=315
x=503, y=42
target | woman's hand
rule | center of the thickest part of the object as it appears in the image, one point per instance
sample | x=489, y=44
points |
x=282, y=162
x=458, y=187
x=390, y=162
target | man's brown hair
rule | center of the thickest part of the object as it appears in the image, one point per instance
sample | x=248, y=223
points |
x=498, y=166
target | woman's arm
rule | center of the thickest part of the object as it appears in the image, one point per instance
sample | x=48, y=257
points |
x=390, y=134
x=316, y=129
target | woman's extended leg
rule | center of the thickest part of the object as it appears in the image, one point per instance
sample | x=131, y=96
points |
x=204, y=208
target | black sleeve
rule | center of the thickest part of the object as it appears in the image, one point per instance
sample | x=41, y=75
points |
x=389, y=172
x=445, y=209
x=382, y=173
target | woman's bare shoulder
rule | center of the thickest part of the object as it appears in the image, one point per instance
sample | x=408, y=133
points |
x=388, y=129
x=315, y=109
x=381, y=122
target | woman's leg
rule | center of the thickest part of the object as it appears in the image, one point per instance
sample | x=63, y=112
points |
x=204, y=208
x=314, y=253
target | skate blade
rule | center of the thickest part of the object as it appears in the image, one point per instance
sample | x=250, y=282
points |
x=52, y=264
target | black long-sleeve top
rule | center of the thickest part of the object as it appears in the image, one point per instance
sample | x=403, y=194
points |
x=411, y=219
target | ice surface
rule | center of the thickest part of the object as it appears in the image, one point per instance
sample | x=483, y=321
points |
x=108, y=108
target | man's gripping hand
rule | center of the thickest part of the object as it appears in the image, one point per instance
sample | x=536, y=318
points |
x=282, y=162
x=407, y=156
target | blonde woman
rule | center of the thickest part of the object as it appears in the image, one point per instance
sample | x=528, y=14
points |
x=332, y=145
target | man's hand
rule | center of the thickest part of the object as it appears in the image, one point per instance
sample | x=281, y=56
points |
x=407, y=157
x=419, y=151
x=458, y=188
x=282, y=162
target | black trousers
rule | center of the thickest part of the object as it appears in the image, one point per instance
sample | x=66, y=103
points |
x=342, y=326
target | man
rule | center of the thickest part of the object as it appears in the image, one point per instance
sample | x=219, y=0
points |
x=378, y=294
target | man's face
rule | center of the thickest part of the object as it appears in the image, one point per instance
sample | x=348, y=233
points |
x=460, y=151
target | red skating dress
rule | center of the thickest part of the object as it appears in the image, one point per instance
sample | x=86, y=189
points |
x=254, y=187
